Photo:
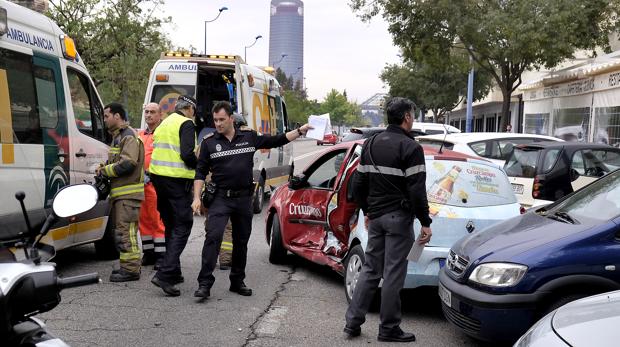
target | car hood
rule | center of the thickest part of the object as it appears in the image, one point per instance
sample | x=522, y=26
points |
x=592, y=321
x=514, y=236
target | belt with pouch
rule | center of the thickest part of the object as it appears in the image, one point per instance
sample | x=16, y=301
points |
x=232, y=193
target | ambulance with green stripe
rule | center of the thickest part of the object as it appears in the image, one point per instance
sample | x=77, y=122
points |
x=253, y=92
x=51, y=130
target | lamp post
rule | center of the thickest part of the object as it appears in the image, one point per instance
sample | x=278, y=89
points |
x=222, y=9
x=284, y=55
x=245, y=53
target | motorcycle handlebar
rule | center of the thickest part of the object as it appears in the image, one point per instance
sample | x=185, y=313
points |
x=78, y=281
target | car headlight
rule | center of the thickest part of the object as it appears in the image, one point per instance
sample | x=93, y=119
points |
x=498, y=274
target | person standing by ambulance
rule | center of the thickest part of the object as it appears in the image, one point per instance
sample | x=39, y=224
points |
x=151, y=226
x=125, y=169
x=172, y=172
x=229, y=156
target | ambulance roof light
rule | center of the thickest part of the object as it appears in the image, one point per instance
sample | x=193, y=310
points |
x=68, y=47
x=3, y=21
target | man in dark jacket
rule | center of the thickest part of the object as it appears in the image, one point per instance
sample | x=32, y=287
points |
x=390, y=186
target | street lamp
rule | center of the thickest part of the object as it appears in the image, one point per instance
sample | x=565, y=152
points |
x=297, y=71
x=245, y=54
x=222, y=9
x=284, y=55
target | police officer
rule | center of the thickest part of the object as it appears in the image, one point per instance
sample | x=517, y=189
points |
x=390, y=186
x=228, y=155
x=172, y=172
x=124, y=168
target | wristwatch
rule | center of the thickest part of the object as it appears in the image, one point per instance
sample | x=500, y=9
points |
x=299, y=131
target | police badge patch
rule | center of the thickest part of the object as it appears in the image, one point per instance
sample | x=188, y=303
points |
x=218, y=147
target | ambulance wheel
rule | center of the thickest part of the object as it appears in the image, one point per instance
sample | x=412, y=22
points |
x=277, y=252
x=259, y=198
x=106, y=247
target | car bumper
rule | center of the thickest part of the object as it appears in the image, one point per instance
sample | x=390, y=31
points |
x=425, y=271
x=489, y=317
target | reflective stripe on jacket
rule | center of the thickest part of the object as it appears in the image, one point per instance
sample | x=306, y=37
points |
x=166, y=158
x=125, y=166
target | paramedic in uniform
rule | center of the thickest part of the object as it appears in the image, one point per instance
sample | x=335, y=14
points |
x=151, y=226
x=390, y=186
x=172, y=173
x=228, y=154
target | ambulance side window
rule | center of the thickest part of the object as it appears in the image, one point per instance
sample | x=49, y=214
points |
x=87, y=111
x=47, y=96
x=16, y=73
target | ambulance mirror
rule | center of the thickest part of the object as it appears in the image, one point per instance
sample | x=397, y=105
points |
x=3, y=21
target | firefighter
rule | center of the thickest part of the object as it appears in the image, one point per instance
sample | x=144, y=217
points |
x=229, y=154
x=172, y=172
x=151, y=226
x=125, y=169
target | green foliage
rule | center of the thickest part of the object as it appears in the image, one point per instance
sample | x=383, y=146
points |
x=504, y=37
x=437, y=85
x=299, y=107
x=119, y=42
x=341, y=111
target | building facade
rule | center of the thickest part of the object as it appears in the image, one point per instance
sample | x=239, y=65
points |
x=286, y=36
x=36, y=5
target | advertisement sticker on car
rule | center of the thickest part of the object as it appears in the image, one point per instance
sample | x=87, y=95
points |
x=445, y=295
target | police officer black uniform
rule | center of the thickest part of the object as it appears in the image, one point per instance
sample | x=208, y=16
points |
x=390, y=186
x=228, y=154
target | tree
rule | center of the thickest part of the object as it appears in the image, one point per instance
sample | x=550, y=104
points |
x=340, y=110
x=503, y=37
x=298, y=107
x=119, y=41
x=439, y=86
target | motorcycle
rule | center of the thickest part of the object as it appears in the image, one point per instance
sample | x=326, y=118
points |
x=30, y=286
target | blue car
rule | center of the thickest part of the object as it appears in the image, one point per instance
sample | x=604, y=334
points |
x=500, y=281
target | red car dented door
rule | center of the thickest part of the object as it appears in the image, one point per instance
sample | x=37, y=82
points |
x=304, y=210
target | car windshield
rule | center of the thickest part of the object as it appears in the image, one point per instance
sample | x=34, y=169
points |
x=599, y=201
x=522, y=162
x=467, y=184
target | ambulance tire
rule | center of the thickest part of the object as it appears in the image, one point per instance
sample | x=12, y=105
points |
x=259, y=198
x=106, y=247
x=277, y=252
x=356, y=259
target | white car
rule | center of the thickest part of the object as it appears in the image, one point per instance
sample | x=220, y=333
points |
x=434, y=128
x=495, y=147
x=590, y=321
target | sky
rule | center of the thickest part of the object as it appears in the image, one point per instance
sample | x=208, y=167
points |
x=340, y=51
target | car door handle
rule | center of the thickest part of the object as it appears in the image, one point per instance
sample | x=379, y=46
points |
x=80, y=154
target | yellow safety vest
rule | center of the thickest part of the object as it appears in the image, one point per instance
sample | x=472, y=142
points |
x=166, y=158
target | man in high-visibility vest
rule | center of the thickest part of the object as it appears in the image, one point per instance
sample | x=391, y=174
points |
x=172, y=171
x=151, y=226
x=125, y=168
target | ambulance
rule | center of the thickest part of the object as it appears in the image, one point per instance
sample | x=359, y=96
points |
x=51, y=130
x=253, y=92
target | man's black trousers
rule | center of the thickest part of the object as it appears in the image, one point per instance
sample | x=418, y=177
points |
x=240, y=213
x=174, y=202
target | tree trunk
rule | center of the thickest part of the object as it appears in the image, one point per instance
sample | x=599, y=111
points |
x=505, y=109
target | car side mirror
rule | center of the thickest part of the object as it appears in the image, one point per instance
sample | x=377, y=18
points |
x=297, y=182
x=574, y=174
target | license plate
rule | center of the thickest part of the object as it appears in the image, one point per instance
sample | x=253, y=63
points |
x=517, y=188
x=445, y=295
x=442, y=263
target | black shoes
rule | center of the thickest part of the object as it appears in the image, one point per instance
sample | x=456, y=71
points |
x=397, y=335
x=352, y=332
x=240, y=289
x=122, y=275
x=178, y=280
x=203, y=292
x=168, y=288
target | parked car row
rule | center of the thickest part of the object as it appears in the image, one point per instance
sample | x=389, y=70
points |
x=498, y=268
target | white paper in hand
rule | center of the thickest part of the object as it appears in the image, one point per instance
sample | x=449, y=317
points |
x=318, y=125
x=416, y=250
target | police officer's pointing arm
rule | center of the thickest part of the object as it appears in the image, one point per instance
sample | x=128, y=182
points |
x=267, y=141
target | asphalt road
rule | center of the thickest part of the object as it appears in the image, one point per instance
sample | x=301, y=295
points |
x=299, y=304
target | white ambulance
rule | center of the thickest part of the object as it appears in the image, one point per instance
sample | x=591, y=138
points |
x=253, y=92
x=51, y=129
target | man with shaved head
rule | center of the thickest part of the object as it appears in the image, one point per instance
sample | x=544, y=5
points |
x=151, y=226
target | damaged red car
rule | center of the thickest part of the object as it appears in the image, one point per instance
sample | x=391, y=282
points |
x=314, y=215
